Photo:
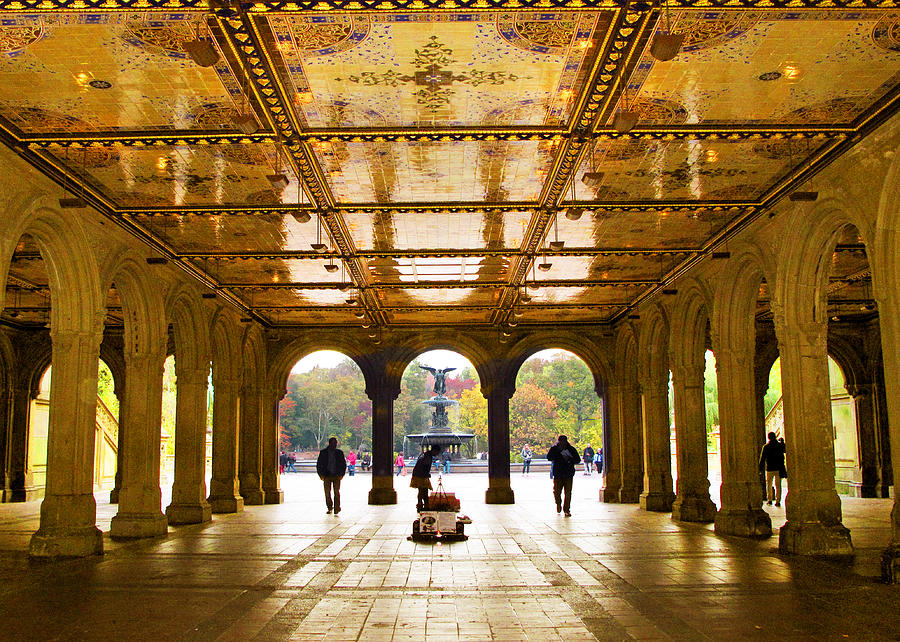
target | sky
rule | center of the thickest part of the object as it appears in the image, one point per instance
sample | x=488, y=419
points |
x=432, y=358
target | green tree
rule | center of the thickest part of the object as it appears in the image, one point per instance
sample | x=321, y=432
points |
x=473, y=416
x=532, y=412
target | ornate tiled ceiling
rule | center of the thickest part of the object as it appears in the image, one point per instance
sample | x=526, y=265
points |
x=431, y=153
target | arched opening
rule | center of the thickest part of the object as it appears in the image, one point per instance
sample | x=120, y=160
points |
x=556, y=394
x=441, y=403
x=105, y=438
x=326, y=396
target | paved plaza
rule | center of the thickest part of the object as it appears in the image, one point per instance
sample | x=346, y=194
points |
x=291, y=572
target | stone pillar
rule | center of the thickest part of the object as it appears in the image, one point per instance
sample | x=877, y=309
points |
x=499, y=490
x=741, y=494
x=612, y=471
x=864, y=405
x=250, y=470
x=692, y=502
x=69, y=512
x=6, y=423
x=271, y=480
x=632, y=443
x=812, y=506
x=21, y=489
x=657, y=495
x=223, y=487
x=120, y=448
x=383, y=397
x=140, y=502
x=189, y=505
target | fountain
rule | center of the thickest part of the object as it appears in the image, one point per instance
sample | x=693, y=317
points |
x=440, y=433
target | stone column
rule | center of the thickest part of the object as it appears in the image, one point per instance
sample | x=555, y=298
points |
x=632, y=443
x=120, y=448
x=612, y=471
x=383, y=397
x=812, y=505
x=140, y=502
x=250, y=471
x=692, y=502
x=657, y=495
x=864, y=405
x=223, y=487
x=271, y=480
x=20, y=484
x=69, y=512
x=499, y=490
x=6, y=423
x=189, y=505
x=741, y=494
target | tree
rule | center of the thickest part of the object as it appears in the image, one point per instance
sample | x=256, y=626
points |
x=531, y=415
x=473, y=416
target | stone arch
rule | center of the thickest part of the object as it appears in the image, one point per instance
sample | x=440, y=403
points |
x=653, y=339
x=847, y=357
x=188, y=319
x=479, y=355
x=225, y=345
x=800, y=294
x=583, y=348
x=690, y=315
x=626, y=354
x=732, y=316
x=253, y=346
x=77, y=301
x=146, y=329
x=282, y=362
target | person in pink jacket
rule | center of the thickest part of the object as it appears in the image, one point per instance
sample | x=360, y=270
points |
x=399, y=463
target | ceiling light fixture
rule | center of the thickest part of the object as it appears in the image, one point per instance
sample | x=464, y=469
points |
x=556, y=245
x=200, y=51
x=318, y=246
x=802, y=196
x=625, y=119
x=301, y=217
x=360, y=314
x=245, y=122
x=667, y=44
x=279, y=180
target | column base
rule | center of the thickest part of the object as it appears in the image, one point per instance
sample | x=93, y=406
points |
x=743, y=523
x=56, y=543
x=890, y=564
x=273, y=496
x=189, y=513
x=499, y=491
x=815, y=538
x=657, y=502
x=609, y=497
x=138, y=525
x=254, y=497
x=694, y=509
x=227, y=504
x=382, y=496
x=114, y=496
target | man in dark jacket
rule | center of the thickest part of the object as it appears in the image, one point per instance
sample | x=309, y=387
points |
x=563, y=457
x=331, y=467
x=771, y=461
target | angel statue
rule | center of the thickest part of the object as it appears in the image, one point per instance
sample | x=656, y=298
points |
x=440, y=379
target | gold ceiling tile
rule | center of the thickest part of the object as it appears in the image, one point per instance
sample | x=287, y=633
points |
x=443, y=316
x=412, y=297
x=269, y=271
x=438, y=269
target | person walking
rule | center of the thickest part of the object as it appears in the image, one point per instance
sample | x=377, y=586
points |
x=351, y=464
x=367, y=461
x=563, y=459
x=421, y=476
x=331, y=467
x=399, y=463
x=588, y=458
x=526, y=459
x=598, y=460
x=291, y=460
x=445, y=460
x=771, y=461
x=282, y=462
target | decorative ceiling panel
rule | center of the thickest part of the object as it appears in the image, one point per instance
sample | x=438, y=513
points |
x=568, y=314
x=688, y=170
x=457, y=269
x=265, y=271
x=771, y=67
x=438, y=316
x=410, y=298
x=85, y=72
x=292, y=297
x=466, y=69
x=322, y=316
x=598, y=295
x=386, y=230
x=498, y=171
x=228, y=175
x=265, y=233
x=655, y=230
x=603, y=268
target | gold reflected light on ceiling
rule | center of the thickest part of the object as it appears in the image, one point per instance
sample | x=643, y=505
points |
x=712, y=156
